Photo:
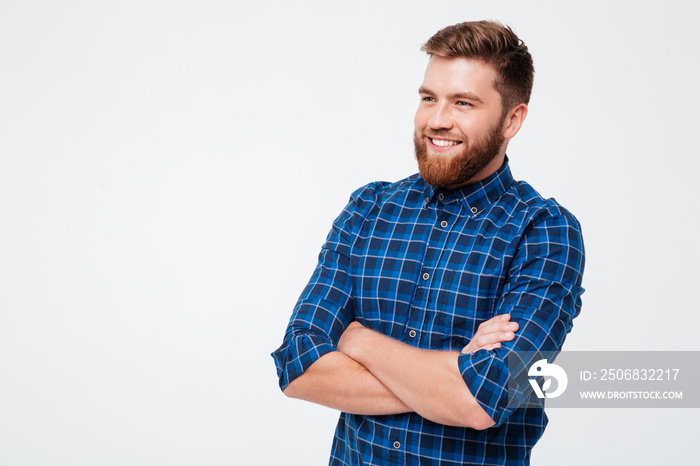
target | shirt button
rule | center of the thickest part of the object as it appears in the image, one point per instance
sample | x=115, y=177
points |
x=397, y=445
x=441, y=197
x=443, y=224
x=427, y=200
x=474, y=209
x=412, y=334
x=426, y=276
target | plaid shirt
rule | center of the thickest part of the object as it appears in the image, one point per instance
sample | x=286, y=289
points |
x=426, y=266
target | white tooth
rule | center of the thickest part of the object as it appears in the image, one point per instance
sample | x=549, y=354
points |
x=442, y=143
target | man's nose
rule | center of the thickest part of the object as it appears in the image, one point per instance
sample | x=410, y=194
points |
x=441, y=118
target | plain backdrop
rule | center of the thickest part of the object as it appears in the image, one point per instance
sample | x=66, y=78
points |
x=170, y=169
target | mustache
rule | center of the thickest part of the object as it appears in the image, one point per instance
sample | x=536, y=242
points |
x=444, y=134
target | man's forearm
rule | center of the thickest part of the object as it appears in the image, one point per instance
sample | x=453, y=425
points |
x=337, y=381
x=428, y=382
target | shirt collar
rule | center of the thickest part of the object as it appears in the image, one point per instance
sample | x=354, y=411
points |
x=477, y=196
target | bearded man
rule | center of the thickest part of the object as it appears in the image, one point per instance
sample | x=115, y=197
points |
x=426, y=286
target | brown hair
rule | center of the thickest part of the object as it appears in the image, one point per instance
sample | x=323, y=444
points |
x=492, y=43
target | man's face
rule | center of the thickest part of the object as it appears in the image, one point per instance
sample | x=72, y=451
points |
x=459, y=123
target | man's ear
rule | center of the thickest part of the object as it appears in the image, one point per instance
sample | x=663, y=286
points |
x=514, y=120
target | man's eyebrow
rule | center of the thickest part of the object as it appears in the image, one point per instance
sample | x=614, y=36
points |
x=466, y=96
x=457, y=95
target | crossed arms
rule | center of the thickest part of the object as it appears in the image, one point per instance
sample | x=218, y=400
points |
x=374, y=374
x=330, y=359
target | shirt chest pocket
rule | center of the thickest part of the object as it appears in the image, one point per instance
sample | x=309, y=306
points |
x=462, y=302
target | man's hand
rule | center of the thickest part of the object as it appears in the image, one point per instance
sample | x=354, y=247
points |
x=491, y=333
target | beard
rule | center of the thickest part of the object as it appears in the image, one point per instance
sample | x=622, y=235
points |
x=455, y=170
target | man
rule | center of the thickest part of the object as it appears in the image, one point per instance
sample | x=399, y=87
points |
x=425, y=287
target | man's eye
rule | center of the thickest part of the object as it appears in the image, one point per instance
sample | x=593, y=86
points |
x=428, y=99
x=462, y=103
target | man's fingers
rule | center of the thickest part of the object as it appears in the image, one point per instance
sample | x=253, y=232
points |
x=500, y=323
x=484, y=340
x=492, y=333
x=497, y=320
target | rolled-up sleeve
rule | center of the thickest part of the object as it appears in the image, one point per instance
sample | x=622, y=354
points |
x=325, y=307
x=542, y=293
x=321, y=314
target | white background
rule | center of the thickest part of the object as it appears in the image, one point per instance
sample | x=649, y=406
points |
x=169, y=171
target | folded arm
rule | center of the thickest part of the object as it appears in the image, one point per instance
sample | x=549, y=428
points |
x=427, y=381
x=374, y=374
x=337, y=381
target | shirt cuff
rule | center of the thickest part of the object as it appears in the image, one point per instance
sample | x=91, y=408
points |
x=297, y=353
x=487, y=378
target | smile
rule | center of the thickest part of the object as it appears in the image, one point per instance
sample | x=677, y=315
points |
x=444, y=142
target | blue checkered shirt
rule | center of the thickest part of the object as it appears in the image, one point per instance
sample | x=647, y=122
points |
x=426, y=266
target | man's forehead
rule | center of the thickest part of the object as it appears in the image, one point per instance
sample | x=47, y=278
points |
x=459, y=75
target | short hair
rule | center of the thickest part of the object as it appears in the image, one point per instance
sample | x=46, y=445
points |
x=496, y=45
